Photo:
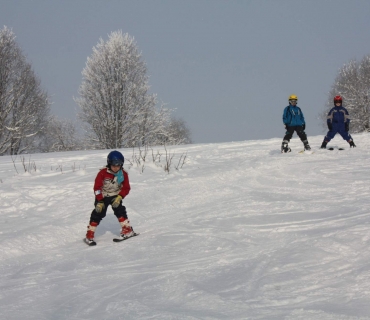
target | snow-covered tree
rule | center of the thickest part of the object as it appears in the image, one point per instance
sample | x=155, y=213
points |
x=60, y=135
x=114, y=97
x=24, y=106
x=353, y=84
x=179, y=132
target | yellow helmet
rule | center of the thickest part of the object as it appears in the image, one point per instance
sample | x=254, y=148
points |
x=293, y=97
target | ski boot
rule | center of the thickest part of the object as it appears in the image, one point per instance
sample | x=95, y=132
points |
x=91, y=233
x=284, y=147
x=323, y=145
x=306, y=146
x=351, y=144
x=127, y=231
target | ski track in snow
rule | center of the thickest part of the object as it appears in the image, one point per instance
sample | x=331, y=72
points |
x=240, y=232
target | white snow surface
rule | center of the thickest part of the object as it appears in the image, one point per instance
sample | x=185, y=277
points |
x=240, y=232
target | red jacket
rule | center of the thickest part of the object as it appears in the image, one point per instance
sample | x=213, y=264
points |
x=106, y=185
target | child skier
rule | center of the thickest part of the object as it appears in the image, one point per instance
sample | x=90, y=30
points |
x=294, y=121
x=338, y=122
x=111, y=186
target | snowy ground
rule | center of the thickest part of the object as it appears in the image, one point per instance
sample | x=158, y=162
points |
x=240, y=232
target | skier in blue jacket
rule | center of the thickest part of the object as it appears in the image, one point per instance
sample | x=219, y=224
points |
x=294, y=121
x=338, y=122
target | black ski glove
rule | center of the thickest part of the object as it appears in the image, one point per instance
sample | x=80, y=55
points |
x=286, y=127
x=347, y=126
x=330, y=126
x=303, y=126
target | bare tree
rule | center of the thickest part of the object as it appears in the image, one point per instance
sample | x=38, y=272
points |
x=180, y=133
x=60, y=135
x=24, y=106
x=114, y=97
x=353, y=84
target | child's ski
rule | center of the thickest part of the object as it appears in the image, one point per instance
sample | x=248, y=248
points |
x=331, y=148
x=125, y=238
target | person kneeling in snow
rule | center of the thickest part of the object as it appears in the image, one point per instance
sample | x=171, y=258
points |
x=338, y=122
x=111, y=186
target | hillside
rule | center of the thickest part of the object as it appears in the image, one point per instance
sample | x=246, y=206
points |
x=239, y=232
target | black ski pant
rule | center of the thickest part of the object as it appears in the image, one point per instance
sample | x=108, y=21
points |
x=119, y=212
x=300, y=132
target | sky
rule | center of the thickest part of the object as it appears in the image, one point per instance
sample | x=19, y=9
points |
x=226, y=67
x=239, y=232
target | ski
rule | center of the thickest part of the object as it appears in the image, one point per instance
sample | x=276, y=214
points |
x=331, y=149
x=306, y=151
x=89, y=242
x=125, y=238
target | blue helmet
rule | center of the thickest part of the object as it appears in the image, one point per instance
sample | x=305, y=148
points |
x=115, y=158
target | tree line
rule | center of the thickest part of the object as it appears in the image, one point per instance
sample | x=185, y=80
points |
x=116, y=108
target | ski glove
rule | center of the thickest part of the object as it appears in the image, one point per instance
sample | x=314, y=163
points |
x=330, y=125
x=286, y=127
x=347, y=126
x=116, y=201
x=303, y=126
x=99, y=207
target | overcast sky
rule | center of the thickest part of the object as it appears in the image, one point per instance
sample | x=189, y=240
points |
x=227, y=67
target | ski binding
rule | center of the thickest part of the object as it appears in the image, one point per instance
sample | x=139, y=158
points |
x=90, y=242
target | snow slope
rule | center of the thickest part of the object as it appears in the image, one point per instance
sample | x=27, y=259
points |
x=240, y=232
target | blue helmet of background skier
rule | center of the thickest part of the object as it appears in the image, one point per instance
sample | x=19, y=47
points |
x=338, y=122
